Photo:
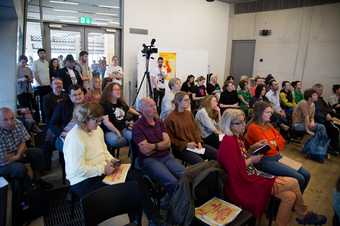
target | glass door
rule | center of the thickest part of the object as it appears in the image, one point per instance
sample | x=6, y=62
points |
x=64, y=39
x=101, y=44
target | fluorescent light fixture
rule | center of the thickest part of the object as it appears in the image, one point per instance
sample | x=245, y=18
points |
x=68, y=21
x=108, y=6
x=69, y=17
x=55, y=25
x=107, y=14
x=99, y=23
x=65, y=10
x=110, y=30
x=111, y=22
x=65, y=2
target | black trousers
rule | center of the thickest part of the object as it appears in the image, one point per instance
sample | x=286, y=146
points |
x=91, y=184
x=158, y=97
x=39, y=93
x=212, y=140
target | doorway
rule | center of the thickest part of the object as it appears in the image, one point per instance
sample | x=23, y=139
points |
x=64, y=39
x=242, y=58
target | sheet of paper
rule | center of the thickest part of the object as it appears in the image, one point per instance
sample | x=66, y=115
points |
x=290, y=162
x=200, y=151
x=118, y=176
x=220, y=136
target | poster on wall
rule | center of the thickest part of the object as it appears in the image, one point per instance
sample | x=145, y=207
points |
x=169, y=64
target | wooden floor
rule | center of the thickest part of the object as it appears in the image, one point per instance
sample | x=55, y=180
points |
x=318, y=195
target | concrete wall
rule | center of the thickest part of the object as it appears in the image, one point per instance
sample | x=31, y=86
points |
x=304, y=45
x=176, y=24
x=8, y=56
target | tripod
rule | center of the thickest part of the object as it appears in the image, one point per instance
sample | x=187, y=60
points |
x=147, y=51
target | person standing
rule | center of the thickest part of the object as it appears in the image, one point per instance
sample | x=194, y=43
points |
x=41, y=76
x=84, y=70
x=69, y=75
x=158, y=75
x=24, y=86
x=114, y=71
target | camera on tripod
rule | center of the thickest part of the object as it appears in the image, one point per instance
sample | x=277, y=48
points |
x=149, y=49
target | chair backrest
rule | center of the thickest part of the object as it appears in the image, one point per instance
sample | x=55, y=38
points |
x=111, y=201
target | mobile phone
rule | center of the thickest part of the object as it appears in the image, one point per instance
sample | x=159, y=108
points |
x=261, y=150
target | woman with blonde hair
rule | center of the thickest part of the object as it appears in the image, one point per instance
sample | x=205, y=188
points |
x=208, y=118
x=184, y=132
x=251, y=189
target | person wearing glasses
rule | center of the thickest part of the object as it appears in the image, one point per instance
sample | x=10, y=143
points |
x=252, y=189
x=87, y=160
x=261, y=130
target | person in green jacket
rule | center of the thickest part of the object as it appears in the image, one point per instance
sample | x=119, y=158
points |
x=297, y=93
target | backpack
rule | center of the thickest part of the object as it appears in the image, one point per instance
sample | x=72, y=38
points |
x=194, y=190
x=316, y=146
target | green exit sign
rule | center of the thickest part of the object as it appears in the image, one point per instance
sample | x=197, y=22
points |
x=86, y=20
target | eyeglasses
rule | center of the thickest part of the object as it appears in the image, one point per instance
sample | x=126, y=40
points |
x=238, y=123
x=98, y=120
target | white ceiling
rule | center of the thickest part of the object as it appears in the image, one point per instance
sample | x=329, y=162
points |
x=102, y=12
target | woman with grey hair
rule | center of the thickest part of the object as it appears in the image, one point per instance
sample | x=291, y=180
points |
x=167, y=105
x=87, y=160
x=251, y=189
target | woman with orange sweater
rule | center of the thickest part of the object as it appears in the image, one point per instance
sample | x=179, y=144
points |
x=260, y=129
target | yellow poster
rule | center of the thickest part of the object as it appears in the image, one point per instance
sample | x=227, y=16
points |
x=169, y=64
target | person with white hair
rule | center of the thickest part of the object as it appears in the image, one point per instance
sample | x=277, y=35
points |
x=153, y=143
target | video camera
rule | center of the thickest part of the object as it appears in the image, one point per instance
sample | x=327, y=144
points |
x=149, y=49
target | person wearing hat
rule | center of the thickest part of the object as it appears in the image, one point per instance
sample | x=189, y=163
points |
x=68, y=74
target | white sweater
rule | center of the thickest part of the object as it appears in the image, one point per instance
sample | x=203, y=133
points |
x=85, y=154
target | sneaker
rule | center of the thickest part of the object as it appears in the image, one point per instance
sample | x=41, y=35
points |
x=313, y=219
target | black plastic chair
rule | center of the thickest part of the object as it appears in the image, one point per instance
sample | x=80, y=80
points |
x=336, y=221
x=272, y=209
x=208, y=189
x=111, y=201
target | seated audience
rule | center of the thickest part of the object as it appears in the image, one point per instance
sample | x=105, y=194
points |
x=244, y=96
x=260, y=95
x=154, y=154
x=14, y=154
x=167, y=105
x=334, y=101
x=200, y=92
x=189, y=87
x=61, y=121
x=229, y=78
x=323, y=115
x=251, y=189
x=208, y=118
x=95, y=92
x=297, y=91
x=260, y=130
x=229, y=98
x=25, y=116
x=52, y=99
x=287, y=99
x=54, y=68
x=24, y=84
x=252, y=85
x=87, y=159
x=279, y=116
x=69, y=75
x=184, y=132
x=117, y=128
x=213, y=88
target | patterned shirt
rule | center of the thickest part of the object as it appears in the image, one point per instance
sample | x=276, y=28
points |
x=11, y=139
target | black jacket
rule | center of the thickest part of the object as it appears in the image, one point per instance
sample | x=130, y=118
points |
x=61, y=116
x=67, y=81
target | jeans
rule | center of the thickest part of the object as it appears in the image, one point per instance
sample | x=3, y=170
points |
x=167, y=170
x=271, y=164
x=116, y=141
x=193, y=158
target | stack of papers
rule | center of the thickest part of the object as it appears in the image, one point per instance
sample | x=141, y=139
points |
x=118, y=176
x=217, y=212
